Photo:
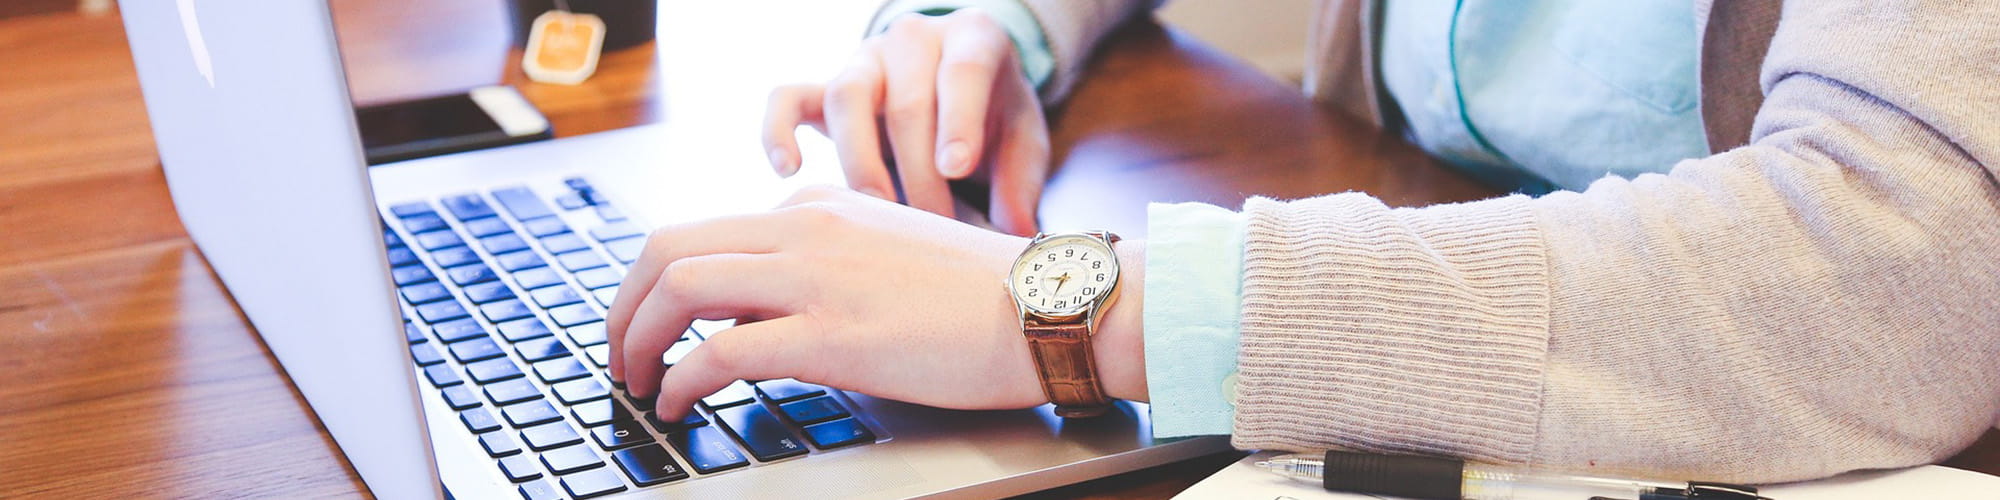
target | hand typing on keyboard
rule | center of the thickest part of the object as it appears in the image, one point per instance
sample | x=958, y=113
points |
x=841, y=289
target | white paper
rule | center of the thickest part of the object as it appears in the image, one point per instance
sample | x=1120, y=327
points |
x=1244, y=481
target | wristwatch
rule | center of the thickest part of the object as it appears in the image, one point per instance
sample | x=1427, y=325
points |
x=1060, y=284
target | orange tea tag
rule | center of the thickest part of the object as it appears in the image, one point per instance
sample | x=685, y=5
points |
x=563, y=47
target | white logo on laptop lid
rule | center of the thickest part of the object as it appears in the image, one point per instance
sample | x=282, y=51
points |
x=196, y=47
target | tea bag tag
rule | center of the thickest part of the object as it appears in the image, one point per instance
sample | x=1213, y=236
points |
x=563, y=47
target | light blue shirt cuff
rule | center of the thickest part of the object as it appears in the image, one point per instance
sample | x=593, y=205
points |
x=1037, y=62
x=1194, y=292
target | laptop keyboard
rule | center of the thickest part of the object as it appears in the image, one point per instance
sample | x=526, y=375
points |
x=504, y=296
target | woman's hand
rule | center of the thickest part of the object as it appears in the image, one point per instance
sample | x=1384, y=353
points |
x=852, y=292
x=947, y=97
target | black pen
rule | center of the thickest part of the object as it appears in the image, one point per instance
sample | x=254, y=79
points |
x=1430, y=478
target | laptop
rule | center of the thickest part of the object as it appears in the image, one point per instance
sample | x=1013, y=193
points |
x=442, y=316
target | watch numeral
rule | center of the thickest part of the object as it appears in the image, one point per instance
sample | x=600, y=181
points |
x=1061, y=304
x=1097, y=265
x=1100, y=276
x=1027, y=280
x=1052, y=257
x=1069, y=252
x=1038, y=267
x=1089, y=291
x=1032, y=291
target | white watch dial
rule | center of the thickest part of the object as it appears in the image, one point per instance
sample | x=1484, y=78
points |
x=1063, y=275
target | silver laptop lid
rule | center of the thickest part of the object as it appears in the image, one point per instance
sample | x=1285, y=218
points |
x=256, y=134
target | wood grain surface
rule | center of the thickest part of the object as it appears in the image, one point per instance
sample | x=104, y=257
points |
x=130, y=373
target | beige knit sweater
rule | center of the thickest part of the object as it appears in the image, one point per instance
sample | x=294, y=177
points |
x=1826, y=298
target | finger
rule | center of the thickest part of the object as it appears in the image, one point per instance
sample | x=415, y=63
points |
x=970, y=61
x=910, y=117
x=746, y=233
x=789, y=107
x=778, y=348
x=720, y=286
x=1021, y=164
x=853, y=101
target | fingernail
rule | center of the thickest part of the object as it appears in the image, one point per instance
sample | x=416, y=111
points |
x=783, y=162
x=955, y=160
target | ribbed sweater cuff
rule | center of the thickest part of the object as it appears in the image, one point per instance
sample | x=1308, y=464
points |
x=1404, y=330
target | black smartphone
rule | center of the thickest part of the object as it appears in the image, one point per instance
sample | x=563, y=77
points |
x=481, y=118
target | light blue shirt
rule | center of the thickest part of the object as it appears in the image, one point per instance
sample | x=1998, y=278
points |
x=1531, y=96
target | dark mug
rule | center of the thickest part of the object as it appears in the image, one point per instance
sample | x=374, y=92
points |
x=626, y=22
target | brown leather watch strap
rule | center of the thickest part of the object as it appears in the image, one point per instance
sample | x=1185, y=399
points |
x=1068, y=369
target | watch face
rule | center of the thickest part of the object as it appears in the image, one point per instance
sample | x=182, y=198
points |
x=1063, y=275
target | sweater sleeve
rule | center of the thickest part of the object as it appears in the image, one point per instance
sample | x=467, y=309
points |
x=1819, y=301
x=1073, y=28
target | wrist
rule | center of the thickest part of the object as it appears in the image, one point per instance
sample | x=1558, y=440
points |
x=1118, y=345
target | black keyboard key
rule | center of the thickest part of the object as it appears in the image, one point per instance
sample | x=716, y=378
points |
x=571, y=202
x=600, y=412
x=437, y=312
x=409, y=275
x=588, y=334
x=578, y=391
x=563, y=243
x=503, y=243
x=571, y=459
x=593, y=483
x=475, y=350
x=599, y=278
x=425, y=293
x=540, y=349
x=402, y=256
x=506, y=310
x=605, y=295
x=499, y=444
x=784, y=389
x=839, y=433
x=626, y=250
x=478, y=420
x=425, y=355
x=409, y=209
x=679, y=350
x=766, y=438
x=692, y=420
x=512, y=391
x=545, y=227
x=522, y=203
x=536, y=278
x=531, y=413
x=493, y=370
x=455, y=256
x=520, y=260
x=615, y=231
x=435, y=240
x=520, y=468
x=649, y=465
x=412, y=334
x=390, y=240
x=621, y=434
x=599, y=355
x=540, y=490
x=735, y=393
x=487, y=226
x=555, y=296
x=707, y=450
x=523, y=329
x=454, y=331
x=580, y=260
x=560, y=369
x=460, y=397
x=572, y=315
x=442, y=376
x=470, y=274
x=548, y=436
x=423, y=223
x=813, y=411
x=488, y=292
x=467, y=206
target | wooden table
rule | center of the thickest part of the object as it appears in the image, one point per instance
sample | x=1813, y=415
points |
x=129, y=372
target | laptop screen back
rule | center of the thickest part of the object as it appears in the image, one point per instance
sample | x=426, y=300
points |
x=250, y=110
